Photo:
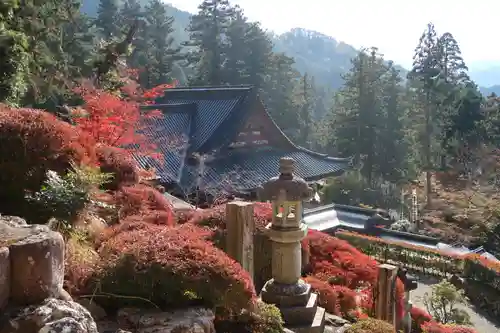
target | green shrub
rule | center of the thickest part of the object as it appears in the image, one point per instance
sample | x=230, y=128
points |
x=371, y=325
x=62, y=198
x=442, y=301
x=264, y=318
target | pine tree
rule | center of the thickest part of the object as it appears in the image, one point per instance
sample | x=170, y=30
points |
x=393, y=149
x=159, y=53
x=207, y=31
x=108, y=19
x=451, y=62
x=307, y=96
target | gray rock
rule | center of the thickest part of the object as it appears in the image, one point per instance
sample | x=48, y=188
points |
x=335, y=320
x=36, y=260
x=193, y=320
x=52, y=316
x=4, y=277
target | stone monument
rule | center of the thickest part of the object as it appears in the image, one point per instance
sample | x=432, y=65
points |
x=286, y=289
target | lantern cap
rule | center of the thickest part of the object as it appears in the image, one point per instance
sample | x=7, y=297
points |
x=293, y=187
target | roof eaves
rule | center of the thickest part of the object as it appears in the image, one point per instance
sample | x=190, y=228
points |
x=213, y=88
x=325, y=156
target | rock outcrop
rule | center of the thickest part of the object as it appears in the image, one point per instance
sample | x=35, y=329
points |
x=31, y=262
x=193, y=320
x=52, y=316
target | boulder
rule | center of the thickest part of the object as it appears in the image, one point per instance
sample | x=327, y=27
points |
x=193, y=320
x=36, y=260
x=4, y=277
x=52, y=316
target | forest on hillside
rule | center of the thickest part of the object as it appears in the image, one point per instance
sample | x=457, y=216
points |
x=395, y=124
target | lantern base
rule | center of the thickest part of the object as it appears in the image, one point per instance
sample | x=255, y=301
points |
x=316, y=326
x=286, y=295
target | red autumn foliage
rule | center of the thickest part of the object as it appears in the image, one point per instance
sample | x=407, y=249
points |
x=143, y=203
x=119, y=164
x=338, y=261
x=33, y=142
x=165, y=263
x=419, y=317
x=336, y=267
x=117, y=120
x=337, y=300
x=435, y=327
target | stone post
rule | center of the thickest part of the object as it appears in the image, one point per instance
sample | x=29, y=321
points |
x=286, y=289
x=410, y=284
x=385, y=305
x=240, y=230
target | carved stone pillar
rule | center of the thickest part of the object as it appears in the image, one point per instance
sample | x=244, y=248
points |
x=286, y=290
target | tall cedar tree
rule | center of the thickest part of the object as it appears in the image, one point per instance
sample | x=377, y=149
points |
x=207, y=32
x=425, y=72
x=453, y=80
x=160, y=52
x=108, y=19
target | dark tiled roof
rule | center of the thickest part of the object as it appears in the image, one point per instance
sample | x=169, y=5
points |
x=244, y=170
x=222, y=110
x=170, y=134
x=208, y=119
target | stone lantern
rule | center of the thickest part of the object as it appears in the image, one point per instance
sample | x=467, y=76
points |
x=286, y=289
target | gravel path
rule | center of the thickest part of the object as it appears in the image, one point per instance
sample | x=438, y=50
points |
x=481, y=323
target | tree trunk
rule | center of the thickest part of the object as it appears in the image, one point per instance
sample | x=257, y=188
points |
x=428, y=133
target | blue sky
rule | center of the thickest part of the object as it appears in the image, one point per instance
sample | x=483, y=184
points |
x=391, y=25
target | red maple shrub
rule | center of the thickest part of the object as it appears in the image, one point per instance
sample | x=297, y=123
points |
x=335, y=260
x=215, y=220
x=171, y=267
x=143, y=203
x=337, y=300
x=339, y=263
x=119, y=164
x=33, y=142
x=419, y=317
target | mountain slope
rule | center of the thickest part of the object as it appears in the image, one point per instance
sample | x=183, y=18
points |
x=490, y=90
x=487, y=77
x=321, y=56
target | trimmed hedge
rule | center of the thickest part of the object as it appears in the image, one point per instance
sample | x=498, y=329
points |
x=472, y=267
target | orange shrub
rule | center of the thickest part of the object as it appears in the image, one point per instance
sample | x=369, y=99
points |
x=171, y=267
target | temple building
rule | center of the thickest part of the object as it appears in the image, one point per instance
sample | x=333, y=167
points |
x=222, y=138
